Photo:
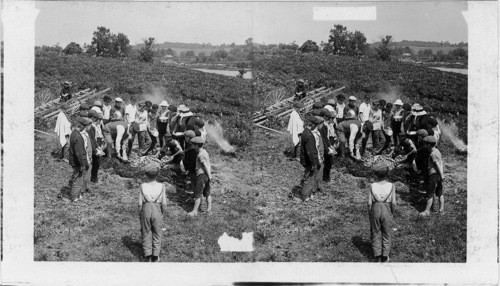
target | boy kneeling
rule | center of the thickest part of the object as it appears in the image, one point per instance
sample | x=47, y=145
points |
x=203, y=177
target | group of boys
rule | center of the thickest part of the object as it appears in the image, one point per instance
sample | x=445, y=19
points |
x=109, y=129
x=402, y=131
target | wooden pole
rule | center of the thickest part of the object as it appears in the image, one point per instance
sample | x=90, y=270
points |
x=72, y=102
x=75, y=105
x=270, y=129
x=55, y=101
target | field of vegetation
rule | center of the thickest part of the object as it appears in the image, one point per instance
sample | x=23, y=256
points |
x=250, y=189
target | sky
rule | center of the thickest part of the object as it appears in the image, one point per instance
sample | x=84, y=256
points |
x=227, y=22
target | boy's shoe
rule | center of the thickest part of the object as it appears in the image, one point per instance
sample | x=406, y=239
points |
x=148, y=258
x=423, y=214
x=155, y=259
x=384, y=258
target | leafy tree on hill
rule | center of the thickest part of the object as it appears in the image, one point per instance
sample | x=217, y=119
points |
x=343, y=42
x=121, y=45
x=147, y=52
x=189, y=54
x=309, y=46
x=171, y=52
x=459, y=53
x=106, y=44
x=383, y=51
x=73, y=49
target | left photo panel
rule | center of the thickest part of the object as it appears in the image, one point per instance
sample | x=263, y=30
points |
x=142, y=117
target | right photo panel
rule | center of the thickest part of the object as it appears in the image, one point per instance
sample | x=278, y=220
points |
x=360, y=131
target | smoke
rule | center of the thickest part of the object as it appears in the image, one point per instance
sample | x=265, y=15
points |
x=216, y=133
x=156, y=95
x=391, y=94
x=449, y=131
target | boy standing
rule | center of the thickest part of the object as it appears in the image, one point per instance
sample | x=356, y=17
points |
x=203, y=177
x=152, y=206
x=78, y=159
x=381, y=208
x=434, y=181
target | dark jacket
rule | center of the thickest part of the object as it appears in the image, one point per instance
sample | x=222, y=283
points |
x=324, y=134
x=418, y=122
x=308, y=151
x=77, y=153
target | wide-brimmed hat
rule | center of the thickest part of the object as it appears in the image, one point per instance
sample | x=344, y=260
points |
x=352, y=97
x=416, y=107
x=164, y=103
x=398, y=102
x=118, y=99
x=183, y=108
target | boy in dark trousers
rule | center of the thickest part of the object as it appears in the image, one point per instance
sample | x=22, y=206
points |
x=78, y=159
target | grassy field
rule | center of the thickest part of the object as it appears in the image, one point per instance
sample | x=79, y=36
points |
x=250, y=190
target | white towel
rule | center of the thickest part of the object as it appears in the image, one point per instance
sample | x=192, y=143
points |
x=63, y=128
x=295, y=126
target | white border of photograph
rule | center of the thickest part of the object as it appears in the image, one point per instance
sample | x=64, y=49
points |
x=482, y=209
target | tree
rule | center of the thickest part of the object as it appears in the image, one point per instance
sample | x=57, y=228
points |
x=189, y=54
x=249, y=42
x=343, y=42
x=383, y=51
x=103, y=42
x=309, y=46
x=73, y=49
x=147, y=52
x=171, y=52
x=408, y=50
x=121, y=45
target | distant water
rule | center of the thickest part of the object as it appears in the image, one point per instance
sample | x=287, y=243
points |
x=462, y=71
x=247, y=75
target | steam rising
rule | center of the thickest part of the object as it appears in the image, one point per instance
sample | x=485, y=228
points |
x=449, y=131
x=216, y=134
x=157, y=95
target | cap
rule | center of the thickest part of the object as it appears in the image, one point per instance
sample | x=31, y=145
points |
x=317, y=120
x=83, y=113
x=317, y=105
x=92, y=113
x=381, y=168
x=152, y=169
x=164, y=103
x=329, y=108
x=417, y=107
x=189, y=133
x=430, y=139
x=66, y=83
x=341, y=97
x=316, y=112
x=84, y=106
x=324, y=112
x=406, y=106
x=183, y=108
x=84, y=121
x=422, y=133
x=398, y=102
x=301, y=80
x=118, y=99
x=331, y=101
x=98, y=103
x=198, y=122
x=432, y=122
x=298, y=105
x=350, y=114
x=352, y=97
x=198, y=139
x=99, y=115
x=135, y=127
x=172, y=108
x=106, y=98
